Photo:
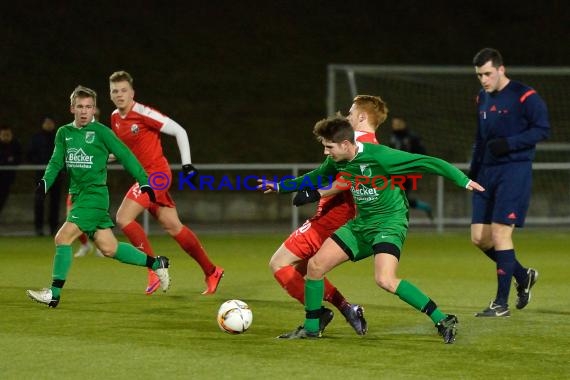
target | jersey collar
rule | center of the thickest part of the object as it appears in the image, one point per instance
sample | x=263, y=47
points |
x=359, y=149
x=75, y=125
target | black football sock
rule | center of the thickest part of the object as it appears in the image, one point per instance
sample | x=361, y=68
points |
x=519, y=273
x=505, y=268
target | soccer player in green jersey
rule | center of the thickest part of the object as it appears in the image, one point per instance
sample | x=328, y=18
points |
x=82, y=148
x=372, y=173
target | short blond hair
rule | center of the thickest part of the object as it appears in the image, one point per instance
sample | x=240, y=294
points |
x=82, y=92
x=120, y=76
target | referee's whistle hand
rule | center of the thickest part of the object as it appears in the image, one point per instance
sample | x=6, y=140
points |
x=474, y=186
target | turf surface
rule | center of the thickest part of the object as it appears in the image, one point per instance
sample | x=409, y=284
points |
x=105, y=327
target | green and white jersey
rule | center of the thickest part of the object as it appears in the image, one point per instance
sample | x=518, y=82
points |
x=370, y=178
x=83, y=152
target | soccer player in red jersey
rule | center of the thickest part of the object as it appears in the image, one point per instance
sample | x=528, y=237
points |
x=139, y=127
x=289, y=262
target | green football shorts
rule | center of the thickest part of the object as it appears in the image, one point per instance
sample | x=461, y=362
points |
x=358, y=241
x=89, y=220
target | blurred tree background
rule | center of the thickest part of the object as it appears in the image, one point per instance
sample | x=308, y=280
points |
x=247, y=79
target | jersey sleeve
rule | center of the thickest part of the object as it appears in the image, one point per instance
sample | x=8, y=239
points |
x=172, y=128
x=314, y=179
x=124, y=155
x=477, y=148
x=152, y=118
x=57, y=160
x=399, y=162
x=536, y=114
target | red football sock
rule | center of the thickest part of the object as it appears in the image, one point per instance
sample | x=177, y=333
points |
x=83, y=239
x=292, y=281
x=137, y=237
x=190, y=243
x=333, y=296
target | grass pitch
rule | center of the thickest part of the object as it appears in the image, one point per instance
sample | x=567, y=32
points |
x=106, y=328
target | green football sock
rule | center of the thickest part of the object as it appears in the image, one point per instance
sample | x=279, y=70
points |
x=61, y=265
x=128, y=254
x=314, y=292
x=419, y=301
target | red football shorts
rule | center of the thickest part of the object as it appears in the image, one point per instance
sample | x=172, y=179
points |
x=306, y=240
x=163, y=198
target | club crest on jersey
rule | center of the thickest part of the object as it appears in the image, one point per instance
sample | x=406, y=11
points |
x=365, y=170
x=134, y=129
x=89, y=137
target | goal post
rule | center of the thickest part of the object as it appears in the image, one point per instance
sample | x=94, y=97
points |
x=438, y=104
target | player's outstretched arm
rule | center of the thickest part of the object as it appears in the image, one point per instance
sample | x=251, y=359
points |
x=172, y=128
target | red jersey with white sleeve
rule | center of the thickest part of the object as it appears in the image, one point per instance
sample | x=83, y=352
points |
x=139, y=129
x=332, y=213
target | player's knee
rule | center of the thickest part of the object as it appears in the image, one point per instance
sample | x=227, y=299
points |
x=476, y=240
x=315, y=269
x=482, y=244
x=282, y=258
x=501, y=239
x=173, y=230
x=108, y=249
x=274, y=265
x=171, y=226
x=385, y=282
x=61, y=238
x=479, y=241
x=122, y=221
x=107, y=253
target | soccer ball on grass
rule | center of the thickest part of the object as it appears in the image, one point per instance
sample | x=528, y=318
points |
x=234, y=317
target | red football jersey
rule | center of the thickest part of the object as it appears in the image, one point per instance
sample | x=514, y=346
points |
x=139, y=129
x=336, y=210
x=365, y=137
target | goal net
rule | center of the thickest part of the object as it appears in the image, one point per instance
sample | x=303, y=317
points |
x=438, y=104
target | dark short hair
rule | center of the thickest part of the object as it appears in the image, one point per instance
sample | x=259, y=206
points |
x=336, y=129
x=488, y=54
